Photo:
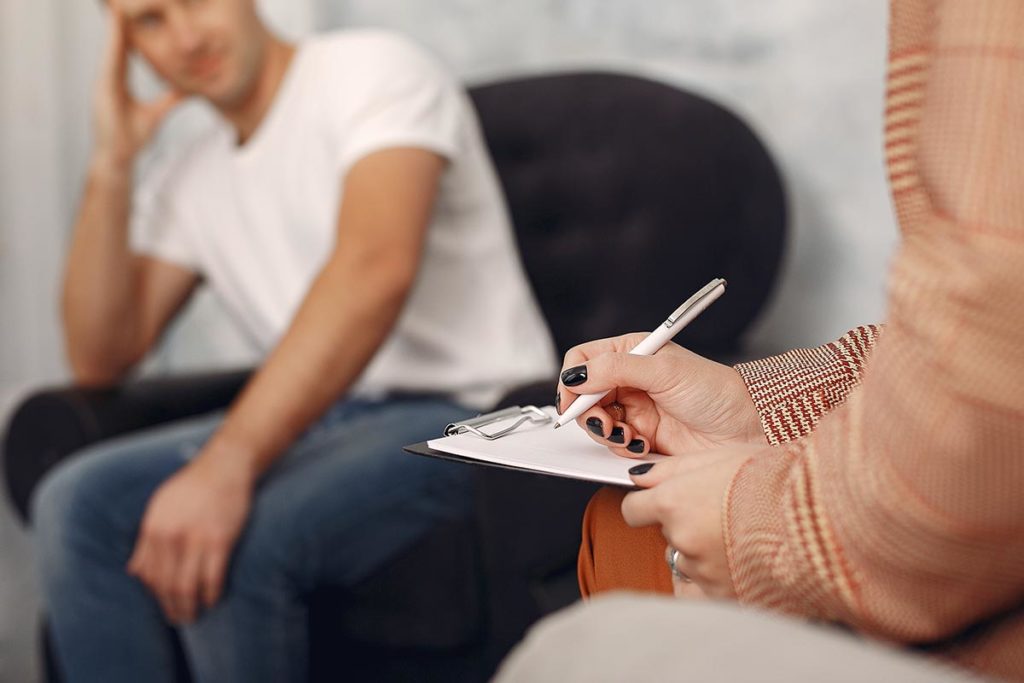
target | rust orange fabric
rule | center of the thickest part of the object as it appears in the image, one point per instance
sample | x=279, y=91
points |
x=615, y=556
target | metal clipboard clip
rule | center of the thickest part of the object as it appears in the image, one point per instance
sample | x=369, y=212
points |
x=531, y=414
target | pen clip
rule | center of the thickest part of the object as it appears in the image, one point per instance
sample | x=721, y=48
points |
x=701, y=294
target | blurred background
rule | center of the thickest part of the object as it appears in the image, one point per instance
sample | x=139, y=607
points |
x=807, y=75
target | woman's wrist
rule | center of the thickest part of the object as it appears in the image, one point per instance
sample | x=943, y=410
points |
x=749, y=419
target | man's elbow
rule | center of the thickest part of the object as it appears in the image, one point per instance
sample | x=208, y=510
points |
x=401, y=280
x=88, y=375
x=97, y=370
x=388, y=276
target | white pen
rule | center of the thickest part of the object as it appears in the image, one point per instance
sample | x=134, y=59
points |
x=673, y=325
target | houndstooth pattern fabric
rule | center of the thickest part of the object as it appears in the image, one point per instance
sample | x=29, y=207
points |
x=794, y=390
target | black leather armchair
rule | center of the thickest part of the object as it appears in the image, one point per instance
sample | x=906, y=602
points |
x=626, y=196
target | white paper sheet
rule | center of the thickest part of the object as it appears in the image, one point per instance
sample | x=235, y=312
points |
x=566, y=451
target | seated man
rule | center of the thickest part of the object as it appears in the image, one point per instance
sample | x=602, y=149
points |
x=346, y=213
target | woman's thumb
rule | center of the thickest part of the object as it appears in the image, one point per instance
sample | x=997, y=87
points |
x=618, y=369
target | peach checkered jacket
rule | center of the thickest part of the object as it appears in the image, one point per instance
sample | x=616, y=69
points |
x=902, y=513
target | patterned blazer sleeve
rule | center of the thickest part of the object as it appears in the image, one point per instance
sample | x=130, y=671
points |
x=902, y=513
x=794, y=390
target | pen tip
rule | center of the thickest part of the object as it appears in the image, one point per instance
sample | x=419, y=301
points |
x=557, y=425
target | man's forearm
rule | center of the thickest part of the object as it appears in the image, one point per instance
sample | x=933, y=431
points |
x=346, y=314
x=100, y=328
x=331, y=340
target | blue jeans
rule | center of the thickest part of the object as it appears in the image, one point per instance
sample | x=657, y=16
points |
x=341, y=503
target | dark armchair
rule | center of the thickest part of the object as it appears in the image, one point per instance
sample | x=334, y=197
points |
x=626, y=196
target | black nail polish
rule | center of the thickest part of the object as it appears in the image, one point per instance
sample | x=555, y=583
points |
x=575, y=376
x=641, y=469
x=558, y=402
x=636, y=446
x=595, y=425
x=617, y=435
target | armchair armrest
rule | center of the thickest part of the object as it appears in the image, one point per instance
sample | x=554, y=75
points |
x=53, y=423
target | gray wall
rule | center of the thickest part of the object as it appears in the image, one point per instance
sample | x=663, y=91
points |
x=806, y=74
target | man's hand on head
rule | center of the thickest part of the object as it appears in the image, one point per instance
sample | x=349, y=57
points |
x=189, y=530
x=123, y=126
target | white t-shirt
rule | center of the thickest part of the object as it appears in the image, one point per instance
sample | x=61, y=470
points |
x=259, y=221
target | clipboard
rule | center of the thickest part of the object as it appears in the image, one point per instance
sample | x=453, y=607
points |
x=522, y=438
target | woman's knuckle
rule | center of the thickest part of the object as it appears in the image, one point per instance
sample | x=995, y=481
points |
x=609, y=364
x=573, y=354
x=628, y=508
x=676, y=539
x=663, y=503
x=689, y=542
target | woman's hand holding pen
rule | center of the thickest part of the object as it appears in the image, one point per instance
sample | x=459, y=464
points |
x=672, y=402
x=676, y=403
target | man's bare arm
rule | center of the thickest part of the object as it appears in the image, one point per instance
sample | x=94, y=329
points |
x=193, y=520
x=115, y=303
x=350, y=308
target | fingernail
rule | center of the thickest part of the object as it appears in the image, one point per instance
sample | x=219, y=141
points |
x=558, y=402
x=595, y=425
x=636, y=446
x=617, y=435
x=641, y=469
x=574, y=376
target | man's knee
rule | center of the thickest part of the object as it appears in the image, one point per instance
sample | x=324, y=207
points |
x=52, y=507
x=94, y=499
x=271, y=555
x=63, y=517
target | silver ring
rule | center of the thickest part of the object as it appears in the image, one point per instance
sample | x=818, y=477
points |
x=671, y=557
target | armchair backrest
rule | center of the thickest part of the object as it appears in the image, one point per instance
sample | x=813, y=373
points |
x=627, y=195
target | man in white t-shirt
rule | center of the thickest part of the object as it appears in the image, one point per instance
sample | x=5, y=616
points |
x=346, y=213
